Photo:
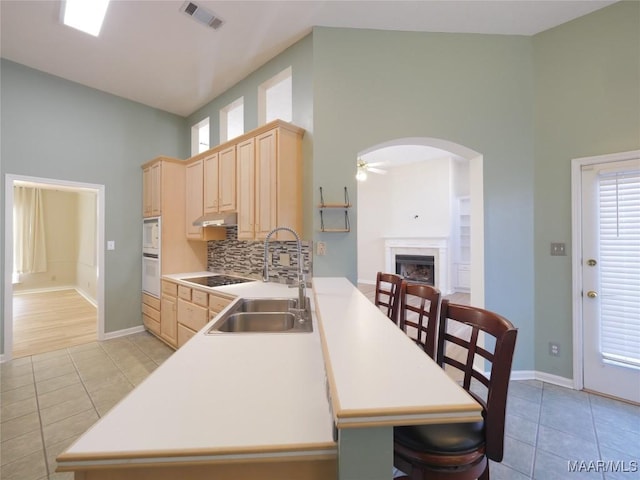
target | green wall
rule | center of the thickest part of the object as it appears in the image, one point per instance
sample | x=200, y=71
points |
x=299, y=57
x=474, y=90
x=52, y=128
x=587, y=78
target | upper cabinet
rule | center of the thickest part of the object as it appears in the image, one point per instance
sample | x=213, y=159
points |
x=270, y=181
x=194, y=180
x=220, y=181
x=258, y=175
x=151, y=190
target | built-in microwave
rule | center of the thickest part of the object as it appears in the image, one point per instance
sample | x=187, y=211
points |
x=151, y=236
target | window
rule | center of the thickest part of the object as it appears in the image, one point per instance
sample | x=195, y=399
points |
x=200, y=137
x=232, y=120
x=275, y=98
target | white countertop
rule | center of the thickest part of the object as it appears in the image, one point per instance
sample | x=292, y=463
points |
x=378, y=376
x=253, y=396
x=221, y=397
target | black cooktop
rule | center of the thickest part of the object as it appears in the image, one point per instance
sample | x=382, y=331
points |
x=217, y=280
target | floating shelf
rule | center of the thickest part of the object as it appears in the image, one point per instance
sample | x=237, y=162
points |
x=342, y=206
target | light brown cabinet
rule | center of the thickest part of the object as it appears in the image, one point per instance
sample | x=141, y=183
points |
x=195, y=309
x=151, y=190
x=194, y=198
x=168, y=314
x=270, y=182
x=194, y=181
x=220, y=181
x=151, y=313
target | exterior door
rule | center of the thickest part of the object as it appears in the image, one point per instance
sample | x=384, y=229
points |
x=610, y=267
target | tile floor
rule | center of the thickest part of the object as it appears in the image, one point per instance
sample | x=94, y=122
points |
x=48, y=400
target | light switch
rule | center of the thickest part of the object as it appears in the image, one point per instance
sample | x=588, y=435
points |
x=557, y=249
x=111, y=244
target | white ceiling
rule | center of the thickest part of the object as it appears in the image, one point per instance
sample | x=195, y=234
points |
x=150, y=52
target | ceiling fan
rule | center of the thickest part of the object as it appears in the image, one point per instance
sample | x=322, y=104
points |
x=365, y=167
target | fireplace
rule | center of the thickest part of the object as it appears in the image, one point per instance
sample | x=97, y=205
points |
x=435, y=247
x=416, y=268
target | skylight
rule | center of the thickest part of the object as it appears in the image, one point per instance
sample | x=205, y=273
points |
x=85, y=15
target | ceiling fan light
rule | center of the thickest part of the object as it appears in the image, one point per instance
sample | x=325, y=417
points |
x=361, y=175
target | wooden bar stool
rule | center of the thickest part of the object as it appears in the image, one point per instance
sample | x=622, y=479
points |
x=388, y=294
x=419, y=305
x=462, y=451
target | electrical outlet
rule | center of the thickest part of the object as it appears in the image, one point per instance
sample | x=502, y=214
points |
x=558, y=249
x=321, y=248
x=554, y=349
x=111, y=244
x=285, y=261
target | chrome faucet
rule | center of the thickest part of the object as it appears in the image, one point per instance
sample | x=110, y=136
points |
x=301, y=281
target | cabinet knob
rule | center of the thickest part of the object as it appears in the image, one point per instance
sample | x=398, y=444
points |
x=592, y=294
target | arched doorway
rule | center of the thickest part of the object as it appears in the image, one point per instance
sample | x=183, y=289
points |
x=429, y=201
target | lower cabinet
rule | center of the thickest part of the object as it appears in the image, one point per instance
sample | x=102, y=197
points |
x=181, y=313
x=168, y=314
x=151, y=313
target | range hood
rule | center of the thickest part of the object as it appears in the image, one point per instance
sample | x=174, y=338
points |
x=217, y=220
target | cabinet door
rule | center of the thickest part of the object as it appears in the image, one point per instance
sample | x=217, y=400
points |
x=266, y=186
x=195, y=200
x=246, y=192
x=168, y=320
x=146, y=192
x=227, y=183
x=211, y=182
x=156, y=189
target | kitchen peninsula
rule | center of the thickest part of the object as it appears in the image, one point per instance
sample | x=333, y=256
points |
x=260, y=405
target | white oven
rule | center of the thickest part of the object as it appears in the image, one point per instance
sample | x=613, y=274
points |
x=151, y=256
x=151, y=275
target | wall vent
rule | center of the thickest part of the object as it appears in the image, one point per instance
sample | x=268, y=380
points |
x=201, y=15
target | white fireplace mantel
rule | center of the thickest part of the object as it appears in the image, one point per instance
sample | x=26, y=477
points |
x=438, y=247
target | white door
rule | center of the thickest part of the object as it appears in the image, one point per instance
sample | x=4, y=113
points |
x=610, y=263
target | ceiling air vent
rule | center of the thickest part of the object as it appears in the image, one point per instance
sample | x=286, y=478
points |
x=201, y=15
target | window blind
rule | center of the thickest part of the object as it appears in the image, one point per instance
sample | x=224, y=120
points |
x=619, y=241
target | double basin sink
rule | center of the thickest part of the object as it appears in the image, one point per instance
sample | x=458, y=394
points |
x=265, y=315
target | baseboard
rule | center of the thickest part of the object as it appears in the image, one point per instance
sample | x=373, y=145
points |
x=543, y=377
x=367, y=282
x=3, y=358
x=122, y=333
x=86, y=296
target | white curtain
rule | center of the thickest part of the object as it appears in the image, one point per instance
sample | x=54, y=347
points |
x=29, y=251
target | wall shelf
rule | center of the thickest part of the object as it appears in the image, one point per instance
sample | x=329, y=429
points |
x=335, y=206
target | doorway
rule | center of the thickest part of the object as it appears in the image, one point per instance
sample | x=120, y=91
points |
x=79, y=207
x=606, y=267
x=452, y=231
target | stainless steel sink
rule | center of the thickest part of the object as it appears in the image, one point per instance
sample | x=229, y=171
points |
x=264, y=315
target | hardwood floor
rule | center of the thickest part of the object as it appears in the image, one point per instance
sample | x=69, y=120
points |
x=47, y=321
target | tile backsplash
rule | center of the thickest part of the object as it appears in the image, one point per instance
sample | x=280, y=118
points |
x=242, y=257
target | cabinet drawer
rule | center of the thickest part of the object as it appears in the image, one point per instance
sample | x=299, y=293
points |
x=169, y=288
x=151, y=312
x=153, y=302
x=191, y=315
x=151, y=324
x=184, y=292
x=184, y=334
x=200, y=298
x=217, y=304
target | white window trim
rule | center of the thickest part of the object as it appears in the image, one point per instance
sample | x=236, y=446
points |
x=195, y=135
x=262, y=92
x=224, y=112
